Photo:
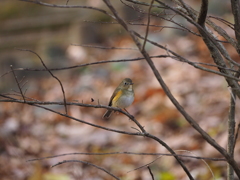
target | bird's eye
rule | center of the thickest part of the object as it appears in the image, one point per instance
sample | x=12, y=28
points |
x=125, y=83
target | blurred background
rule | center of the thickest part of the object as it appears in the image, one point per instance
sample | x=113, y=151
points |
x=28, y=132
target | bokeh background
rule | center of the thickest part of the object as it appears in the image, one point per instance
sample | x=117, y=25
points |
x=28, y=132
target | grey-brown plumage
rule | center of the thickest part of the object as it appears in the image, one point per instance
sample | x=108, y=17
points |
x=122, y=97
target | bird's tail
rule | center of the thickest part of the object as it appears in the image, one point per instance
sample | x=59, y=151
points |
x=107, y=114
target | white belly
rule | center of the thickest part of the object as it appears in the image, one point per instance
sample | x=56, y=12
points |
x=125, y=101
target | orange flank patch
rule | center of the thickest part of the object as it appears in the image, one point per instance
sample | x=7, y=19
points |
x=117, y=96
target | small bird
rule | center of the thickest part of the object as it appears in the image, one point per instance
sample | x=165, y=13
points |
x=122, y=97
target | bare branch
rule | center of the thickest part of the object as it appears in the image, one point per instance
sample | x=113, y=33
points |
x=227, y=23
x=236, y=136
x=182, y=59
x=176, y=57
x=67, y=6
x=20, y=89
x=64, y=98
x=203, y=13
x=103, y=47
x=38, y=103
x=214, y=47
x=203, y=160
x=87, y=163
x=148, y=22
x=193, y=14
x=127, y=153
x=188, y=9
x=182, y=27
x=145, y=165
x=236, y=14
x=150, y=172
x=231, y=132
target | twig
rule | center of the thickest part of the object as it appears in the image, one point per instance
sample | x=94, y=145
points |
x=203, y=160
x=64, y=98
x=145, y=165
x=207, y=36
x=176, y=57
x=15, y=77
x=39, y=103
x=85, y=64
x=231, y=132
x=148, y=22
x=193, y=12
x=67, y=6
x=150, y=172
x=87, y=163
x=103, y=47
x=236, y=14
x=182, y=59
x=187, y=9
x=127, y=153
x=162, y=17
x=216, y=49
x=236, y=136
x=230, y=25
x=136, y=129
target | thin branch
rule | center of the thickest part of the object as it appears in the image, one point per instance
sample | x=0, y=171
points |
x=38, y=103
x=236, y=136
x=150, y=172
x=193, y=15
x=148, y=22
x=151, y=25
x=223, y=33
x=20, y=89
x=218, y=29
x=145, y=165
x=158, y=16
x=231, y=124
x=68, y=6
x=216, y=49
x=203, y=160
x=231, y=132
x=236, y=14
x=87, y=163
x=127, y=153
x=209, y=40
x=188, y=9
x=182, y=59
x=164, y=27
x=64, y=98
x=7, y=95
x=230, y=25
x=103, y=47
x=85, y=64
x=176, y=57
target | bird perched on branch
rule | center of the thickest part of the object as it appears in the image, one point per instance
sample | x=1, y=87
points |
x=122, y=97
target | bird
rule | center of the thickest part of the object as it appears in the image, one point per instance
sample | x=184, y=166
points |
x=122, y=97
